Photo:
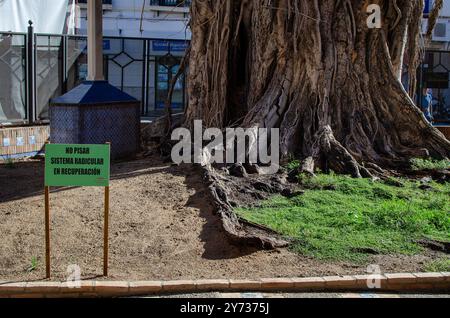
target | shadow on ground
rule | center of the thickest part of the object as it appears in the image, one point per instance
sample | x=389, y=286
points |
x=26, y=178
x=216, y=243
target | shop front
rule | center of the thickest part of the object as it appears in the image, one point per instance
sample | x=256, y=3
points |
x=435, y=76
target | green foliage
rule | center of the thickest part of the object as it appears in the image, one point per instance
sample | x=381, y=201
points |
x=442, y=265
x=342, y=218
x=293, y=164
x=426, y=164
x=33, y=265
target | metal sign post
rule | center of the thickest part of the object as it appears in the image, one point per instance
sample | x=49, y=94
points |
x=105, y=234
x=77, y=165
x=47, y=232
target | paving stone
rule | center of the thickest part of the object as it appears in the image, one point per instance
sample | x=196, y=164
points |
x=68, y=295
x=12, y=288
x=370, y=281
x=340, y=282
x=179, y=286
x=111, y=287
x=309, y=283
x=212, y=285
x=29, y=296
x=275, y=296
x=402, y=287
x=351, y=295
x=84, y=286
x=252, y=295
x=145, y=287
x=43, y=287
x=429, y=277
x=231, y=295
x=401, y=278
x=277, y=284
x=245, y=284
x=446, y=275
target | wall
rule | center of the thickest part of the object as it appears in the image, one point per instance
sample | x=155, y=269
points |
x=22, y=140
x=158, y=22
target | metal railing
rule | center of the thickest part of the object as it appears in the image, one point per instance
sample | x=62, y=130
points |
x=34, y=68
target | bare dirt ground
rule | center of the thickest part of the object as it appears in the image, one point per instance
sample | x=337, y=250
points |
x=162, y=227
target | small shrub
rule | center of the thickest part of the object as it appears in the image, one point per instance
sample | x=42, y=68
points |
x=33, y=265
x=442, y=265
x=293, y=164
x=427, y=164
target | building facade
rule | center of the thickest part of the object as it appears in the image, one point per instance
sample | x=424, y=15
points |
x=144, y=43
x=434, y=73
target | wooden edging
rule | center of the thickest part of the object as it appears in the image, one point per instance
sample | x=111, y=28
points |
x=404, y=282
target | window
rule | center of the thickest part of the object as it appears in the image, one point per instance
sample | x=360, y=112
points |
x=166, y=68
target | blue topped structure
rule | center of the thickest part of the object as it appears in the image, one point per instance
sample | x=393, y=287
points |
x=96, y=112
x=93, y=92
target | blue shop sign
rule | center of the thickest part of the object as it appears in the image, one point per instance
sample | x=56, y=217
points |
x=162, y=104
x=175, y=46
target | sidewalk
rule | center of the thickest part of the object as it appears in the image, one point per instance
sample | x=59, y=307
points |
x=304, y=295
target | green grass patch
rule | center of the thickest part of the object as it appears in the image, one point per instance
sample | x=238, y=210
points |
x=293, y=164
x=442, y=265
x=33, y=265
x=341, y=218
x=426, y=164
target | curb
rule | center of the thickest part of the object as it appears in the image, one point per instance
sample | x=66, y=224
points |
x=400, y=282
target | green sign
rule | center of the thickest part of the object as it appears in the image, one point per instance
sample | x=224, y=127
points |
x=77, y=165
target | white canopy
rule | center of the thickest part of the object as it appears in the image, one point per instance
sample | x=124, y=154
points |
x=48, y=16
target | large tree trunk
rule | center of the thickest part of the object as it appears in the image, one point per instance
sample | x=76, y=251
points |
x=314, y=69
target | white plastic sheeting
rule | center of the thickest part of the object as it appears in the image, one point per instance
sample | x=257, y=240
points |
x=48, y=16
x=12, y=75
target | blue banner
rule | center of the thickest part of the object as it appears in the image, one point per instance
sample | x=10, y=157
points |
x=175, y=46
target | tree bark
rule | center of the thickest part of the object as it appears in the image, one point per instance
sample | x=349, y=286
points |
x=315, y=70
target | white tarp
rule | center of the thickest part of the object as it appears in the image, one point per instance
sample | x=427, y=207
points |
x=48, y=16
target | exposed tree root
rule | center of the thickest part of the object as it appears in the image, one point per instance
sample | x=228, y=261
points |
x=336, y=157
x=239, y=231
x=435, y=245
